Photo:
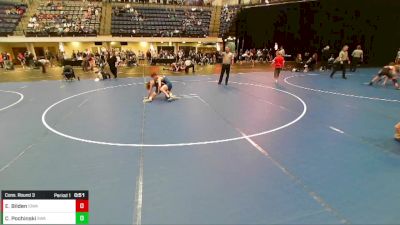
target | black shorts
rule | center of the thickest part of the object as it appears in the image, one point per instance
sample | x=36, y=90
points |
x=169, y=85
x=385, y=72
x=69, y=75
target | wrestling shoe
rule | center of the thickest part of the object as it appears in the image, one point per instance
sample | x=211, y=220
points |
x=147, y=100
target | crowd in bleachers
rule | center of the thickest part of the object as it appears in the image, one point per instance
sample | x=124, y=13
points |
x=58, y=18
x=167, y=2
x=160, y=22
x=10, y=15
x=272, y=2
x=283, y=1
x=228, y=16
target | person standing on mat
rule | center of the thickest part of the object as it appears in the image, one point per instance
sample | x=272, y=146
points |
x=397, y=132
x=279, y=63
x=112, y=63
x=341, y=61
x=357, y=58
x=326, y=53
x=189, y=64
x=227, y=60
x=397, y=60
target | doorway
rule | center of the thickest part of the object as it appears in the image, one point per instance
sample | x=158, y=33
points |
x=39, y=52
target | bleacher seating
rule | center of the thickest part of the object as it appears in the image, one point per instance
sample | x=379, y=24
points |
x=141, y=21
x=10, y=15
x=167, y=2
x=286, y=1
x=60, y=18
x=228, y=16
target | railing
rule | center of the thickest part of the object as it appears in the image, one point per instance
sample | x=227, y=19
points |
x=260, y=3
x=160, y=5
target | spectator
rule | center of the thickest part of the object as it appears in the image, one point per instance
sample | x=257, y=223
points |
x=21, y=59
x=325, y=57
x=299, y=64
x=357, y=58
x=311, y=63
x=189, y=64
x=112, y=62
x=282, y=51
x=1, y=60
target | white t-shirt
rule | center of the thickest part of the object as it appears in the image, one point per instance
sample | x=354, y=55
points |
x=358, y=53
x=227, y=58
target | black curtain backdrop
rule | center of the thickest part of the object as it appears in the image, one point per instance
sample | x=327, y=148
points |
x=309, y=26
